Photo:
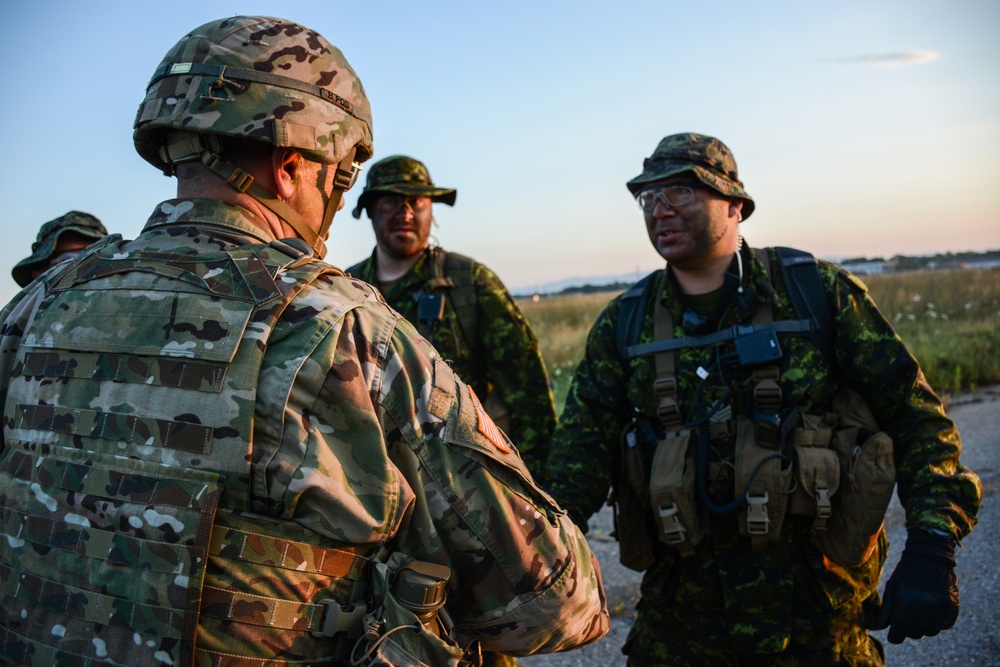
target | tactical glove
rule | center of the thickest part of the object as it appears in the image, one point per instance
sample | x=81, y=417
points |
x=921, y=597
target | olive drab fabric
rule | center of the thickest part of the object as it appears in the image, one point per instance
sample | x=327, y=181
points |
x=485, y=337
x=787, y=601
x=208, y=433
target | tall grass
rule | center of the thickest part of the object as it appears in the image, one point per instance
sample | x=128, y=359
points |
x=949, y=319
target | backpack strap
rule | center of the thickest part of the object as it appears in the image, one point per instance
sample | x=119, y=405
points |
x=633, y=310
x=801, y=276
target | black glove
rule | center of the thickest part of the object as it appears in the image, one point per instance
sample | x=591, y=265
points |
x=921, y=597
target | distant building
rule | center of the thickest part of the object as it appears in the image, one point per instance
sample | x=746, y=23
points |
x=871, y=268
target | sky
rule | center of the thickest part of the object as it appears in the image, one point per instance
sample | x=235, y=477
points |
x=860, y=128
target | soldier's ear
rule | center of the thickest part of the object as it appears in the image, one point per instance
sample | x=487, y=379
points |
x=736, y=209
x=285, y=167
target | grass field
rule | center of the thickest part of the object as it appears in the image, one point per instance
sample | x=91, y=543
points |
x=949, y=319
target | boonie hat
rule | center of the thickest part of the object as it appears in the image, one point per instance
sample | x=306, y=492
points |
x=399, y=174
x=706, y=157
x=45, y=244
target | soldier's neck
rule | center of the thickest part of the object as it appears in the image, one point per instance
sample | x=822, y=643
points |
x=389, y=269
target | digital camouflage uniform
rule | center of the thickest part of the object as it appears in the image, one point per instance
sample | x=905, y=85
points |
x=504, y=358
x=725, y=600
x=360, y=437
x=494, y=349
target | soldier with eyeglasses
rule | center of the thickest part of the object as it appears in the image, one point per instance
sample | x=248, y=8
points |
x=748, y=420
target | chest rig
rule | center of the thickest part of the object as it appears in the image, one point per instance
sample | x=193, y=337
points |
x=783, y=461
x=135, y=529
x=451, y=281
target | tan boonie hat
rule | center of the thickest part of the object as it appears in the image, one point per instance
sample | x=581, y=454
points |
x=402, y=175
x=45, y=244
x=706, y=157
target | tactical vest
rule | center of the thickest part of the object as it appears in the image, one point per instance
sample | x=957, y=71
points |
x=451, y=280
x=135, y=531
x=784, y=461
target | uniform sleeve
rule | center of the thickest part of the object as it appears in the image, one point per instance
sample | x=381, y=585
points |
x=516, y=368
x=935, y=489
x=583, y=455
x=524, y=578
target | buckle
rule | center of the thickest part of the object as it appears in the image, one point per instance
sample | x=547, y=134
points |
x=240, y=180
x=767, y=396
x=671, y=526
x=757, y=521
x=337, y=619
x=666, y=386
x=668, y=412
x=823, y=508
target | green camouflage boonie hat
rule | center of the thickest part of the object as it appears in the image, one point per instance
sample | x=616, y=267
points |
x=45, y=244
x=261, y=78
x=399, y=174
x=706, y=157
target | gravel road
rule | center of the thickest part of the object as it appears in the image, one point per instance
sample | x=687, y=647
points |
x=975, y=639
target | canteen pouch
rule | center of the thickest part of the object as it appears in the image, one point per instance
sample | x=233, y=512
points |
x=868, y=477
x=395, y=636
x=761, y=474
x=672, y=493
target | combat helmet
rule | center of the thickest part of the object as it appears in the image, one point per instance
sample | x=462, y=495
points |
x=260, y=78
x=402, y=175
x=706, y=157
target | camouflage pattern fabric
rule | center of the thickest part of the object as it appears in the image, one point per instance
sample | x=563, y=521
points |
x=725, y=599
x=707, y=158
x=509, y=360
x=74, y=222
x=361, y=437
x=401, y=175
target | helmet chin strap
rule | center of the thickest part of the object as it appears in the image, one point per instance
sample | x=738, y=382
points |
x=188, y=146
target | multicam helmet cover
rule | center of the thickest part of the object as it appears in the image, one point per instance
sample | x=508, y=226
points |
x=261, y=78
x=707, y=158
x=402, y=175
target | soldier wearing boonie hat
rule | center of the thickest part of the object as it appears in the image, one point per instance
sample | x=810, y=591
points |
x=707, y=400
x=456, y=302
x=58, y=240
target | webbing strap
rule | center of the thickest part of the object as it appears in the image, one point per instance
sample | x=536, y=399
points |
x=735, y=331
x=262, y=549
x=260, y=610
x=224, y=73
x=665, y=386
x=173, y=372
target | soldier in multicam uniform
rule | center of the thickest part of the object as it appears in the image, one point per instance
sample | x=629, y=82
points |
x=58, y=240
x=747, y=486
x=457, y=303
x=219, y=450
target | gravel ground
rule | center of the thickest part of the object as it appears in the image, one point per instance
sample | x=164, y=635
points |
x=975, y=640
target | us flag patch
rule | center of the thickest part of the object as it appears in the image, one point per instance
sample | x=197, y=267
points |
x=486, y=426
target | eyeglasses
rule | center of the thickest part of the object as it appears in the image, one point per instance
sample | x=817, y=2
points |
x=392, y=203
x=671, y=195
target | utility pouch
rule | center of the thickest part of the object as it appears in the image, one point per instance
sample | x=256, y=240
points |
x=868, y=476
x=817, y=469
x=406, y=624
x=672, y=493
x=630, y=501
x=764, y=479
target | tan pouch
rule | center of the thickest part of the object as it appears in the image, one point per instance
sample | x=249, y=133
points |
x=672, y=493
x=760, y=473
x=868, y=477
x=631, y=505
x=818, y=471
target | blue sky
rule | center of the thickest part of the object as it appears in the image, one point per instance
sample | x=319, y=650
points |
x=860, y=128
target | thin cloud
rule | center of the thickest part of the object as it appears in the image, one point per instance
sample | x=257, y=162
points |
x=898, y=59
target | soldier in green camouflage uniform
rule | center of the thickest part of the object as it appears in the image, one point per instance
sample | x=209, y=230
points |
x=725, y=602
x=217, y=448
x=481, y=331
x=58, y=240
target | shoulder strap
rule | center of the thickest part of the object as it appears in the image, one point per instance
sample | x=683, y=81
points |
x=633, y=310
x=801, y=277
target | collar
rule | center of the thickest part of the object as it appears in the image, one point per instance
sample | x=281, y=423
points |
x=200, y=212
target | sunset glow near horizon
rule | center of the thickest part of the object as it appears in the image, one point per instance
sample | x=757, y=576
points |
x=860, y=129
